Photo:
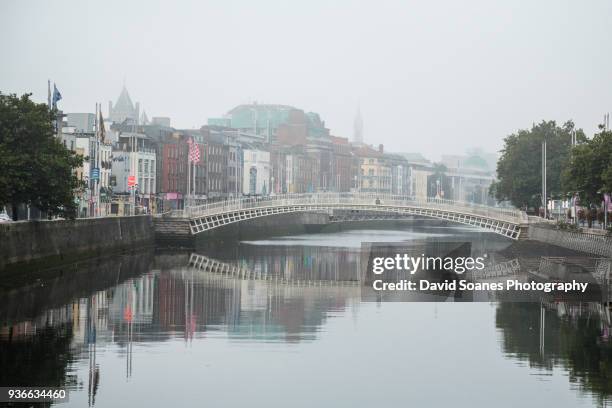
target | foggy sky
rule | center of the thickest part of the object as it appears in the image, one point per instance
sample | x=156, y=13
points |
x=432, y=77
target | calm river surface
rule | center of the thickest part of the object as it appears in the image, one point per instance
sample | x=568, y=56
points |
x=158, y=330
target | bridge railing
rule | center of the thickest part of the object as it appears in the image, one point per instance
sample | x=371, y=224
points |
x=357, y=199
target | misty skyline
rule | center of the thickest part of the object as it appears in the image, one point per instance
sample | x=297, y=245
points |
x=436, y=78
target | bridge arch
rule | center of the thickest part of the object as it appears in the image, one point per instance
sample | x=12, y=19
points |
x=503, y=221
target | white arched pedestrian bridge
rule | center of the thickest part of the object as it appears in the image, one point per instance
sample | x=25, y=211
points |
x=205, y=217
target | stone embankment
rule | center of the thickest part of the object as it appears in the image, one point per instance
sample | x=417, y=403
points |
x=593, y=243
x=36, y=244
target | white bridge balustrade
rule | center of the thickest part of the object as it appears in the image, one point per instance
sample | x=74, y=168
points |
x=503, y=221
x=204, y=263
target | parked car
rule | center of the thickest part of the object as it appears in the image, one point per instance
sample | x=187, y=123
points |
x=4, y=217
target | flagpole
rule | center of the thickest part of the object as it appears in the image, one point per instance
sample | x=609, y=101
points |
x=99, y=159
x=94, y=164
x=193, y=191
x=133, y=169
x=95, y=161
x=188, y=175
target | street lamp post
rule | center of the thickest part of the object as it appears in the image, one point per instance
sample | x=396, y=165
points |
x=605, y=203
x=544, y=200
x=605, y=210
x=576, y=202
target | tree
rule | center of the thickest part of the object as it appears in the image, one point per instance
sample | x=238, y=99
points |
x=35, y=168
x=519, y=169
x=589, y=172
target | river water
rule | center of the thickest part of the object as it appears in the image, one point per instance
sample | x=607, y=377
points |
x=278, y=323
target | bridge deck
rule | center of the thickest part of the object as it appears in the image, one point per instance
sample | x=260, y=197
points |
x=503, y=221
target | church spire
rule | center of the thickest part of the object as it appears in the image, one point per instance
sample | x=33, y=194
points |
x=124, y=108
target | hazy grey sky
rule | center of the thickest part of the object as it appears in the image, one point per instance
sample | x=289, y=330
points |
x=430, y=76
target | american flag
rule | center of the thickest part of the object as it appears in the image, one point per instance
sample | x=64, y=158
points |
x=194, y=151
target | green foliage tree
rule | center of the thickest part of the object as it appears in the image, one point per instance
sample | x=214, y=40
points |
x=35, y=168
x=519, y=169
x=589, y=172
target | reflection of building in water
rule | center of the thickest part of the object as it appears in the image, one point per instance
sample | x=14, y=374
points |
x=90, y=321
x=271, y=311
x=179, y=302
x=253, y=297
x=259, y=309
x=133, y=299
x=175, y=299
x=316, y=263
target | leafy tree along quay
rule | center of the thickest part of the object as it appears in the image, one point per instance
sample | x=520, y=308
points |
x=35, y=168
x=519, y=169
x=589, y=172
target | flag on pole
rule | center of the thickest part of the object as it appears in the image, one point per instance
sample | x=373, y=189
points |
x=194, y=151
x=102, y=130
x=56, y=96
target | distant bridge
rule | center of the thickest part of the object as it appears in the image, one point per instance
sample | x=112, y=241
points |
x=202, y=218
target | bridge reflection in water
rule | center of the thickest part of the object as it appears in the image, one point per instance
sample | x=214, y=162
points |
x=216, y=268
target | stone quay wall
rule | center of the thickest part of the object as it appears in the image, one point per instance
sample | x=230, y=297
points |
x=597, y=244
x=47, y=243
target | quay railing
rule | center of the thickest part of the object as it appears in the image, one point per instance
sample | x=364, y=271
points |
x=346, y=200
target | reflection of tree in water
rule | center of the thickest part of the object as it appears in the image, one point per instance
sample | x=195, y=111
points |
x=40, y=359
x=579, y=344
x=41, y=327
